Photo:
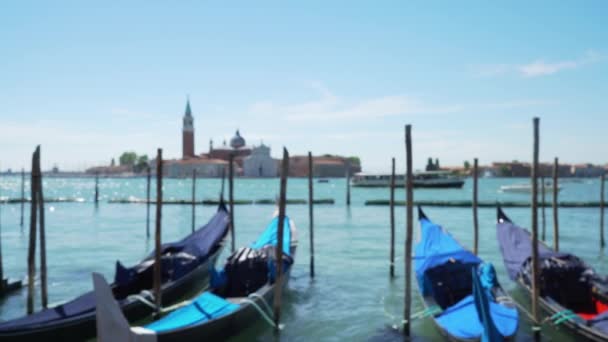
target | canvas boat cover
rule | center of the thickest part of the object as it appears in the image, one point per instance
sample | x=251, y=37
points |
x=463, y=319
x=436, y=247
x=179, y=258
x=209, y=306
x=576, y=277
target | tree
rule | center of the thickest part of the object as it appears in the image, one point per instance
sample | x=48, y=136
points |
x=128, y=158
x=467, y=165
x=142, y=163
x=354, y=160
x=429, y=164
x=437, y=164
x=113, y=163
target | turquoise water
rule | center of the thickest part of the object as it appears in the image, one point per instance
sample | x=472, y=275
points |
x=344, y=301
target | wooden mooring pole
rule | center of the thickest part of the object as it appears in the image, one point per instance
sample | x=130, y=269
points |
x=392, y=219
x=602, y=183
x=280, y=226
x=31, y=252
x=231, y=198
x=535, y=266
x=193, y=198
x=347, y=167
x=157, y=233
x=1, y=268
x=96, y=188
x=148, y=202
x=475, y=218
x=43, y=278
x=408, y=232
x=542, y=209
x=555, y=206
x=310, y=215
x=22, y=196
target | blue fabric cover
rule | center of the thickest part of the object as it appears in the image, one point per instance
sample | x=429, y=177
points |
x=462, y=321
x=515, y=246
x=206, y=307
x=269, y=236
x=435, y=248
x=198, y=244
x=482, y=297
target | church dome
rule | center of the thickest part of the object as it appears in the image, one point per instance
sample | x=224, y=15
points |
x=237, y=140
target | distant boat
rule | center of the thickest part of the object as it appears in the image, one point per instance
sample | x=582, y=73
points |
x=525, y=188
x=426, y=179
x=322, y=180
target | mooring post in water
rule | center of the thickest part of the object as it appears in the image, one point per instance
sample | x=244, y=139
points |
x=347, y=167
x=542, y=209
x=475, y=218
x=22, y=196
x=555, y=206
x=157, y=233
x=280, y=226
x=602, y=182
x=1, y=270
x=43, y=278
x=535, y=268
x=148, y=202
x=310, y=215
x=409, y=228
x=231, y=198
x=97, y=188
x=31, y=252
x=392, y=219
x=193, y=198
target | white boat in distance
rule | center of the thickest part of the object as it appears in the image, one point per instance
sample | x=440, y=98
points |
x=426, y=179
x=526, y=188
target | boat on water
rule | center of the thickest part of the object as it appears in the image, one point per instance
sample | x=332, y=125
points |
x=460, y=292
x=241, y=294
x=186, y=270
x=322, y=180
x=422, y=179
x=526, y=188
x=571, y=292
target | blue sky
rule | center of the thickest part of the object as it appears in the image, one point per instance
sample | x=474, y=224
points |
x=90, y=80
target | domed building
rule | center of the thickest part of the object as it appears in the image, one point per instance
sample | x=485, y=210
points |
x=260, y=163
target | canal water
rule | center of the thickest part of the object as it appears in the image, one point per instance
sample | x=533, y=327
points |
x=351, y=297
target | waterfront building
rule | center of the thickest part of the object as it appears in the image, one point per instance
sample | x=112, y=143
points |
x=259, y=163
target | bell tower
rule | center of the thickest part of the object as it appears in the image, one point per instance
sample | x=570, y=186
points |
x=188, y=133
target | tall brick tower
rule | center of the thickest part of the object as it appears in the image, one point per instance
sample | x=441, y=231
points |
x=188, y=133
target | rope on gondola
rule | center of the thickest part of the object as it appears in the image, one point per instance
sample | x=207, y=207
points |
x=262, y=313
x=149, y=302
x=427, y=312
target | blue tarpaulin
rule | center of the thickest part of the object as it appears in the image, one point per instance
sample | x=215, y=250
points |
x=269, y=236
x=435, y=248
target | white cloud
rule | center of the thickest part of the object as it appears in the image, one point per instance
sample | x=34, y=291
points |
x=332, y=107
x=538, y=67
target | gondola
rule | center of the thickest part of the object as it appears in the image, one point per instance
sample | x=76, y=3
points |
x=187, y=266
x=240, y=295
x=460, y=292
x=570, y=290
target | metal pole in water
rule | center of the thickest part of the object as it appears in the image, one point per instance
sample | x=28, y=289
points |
x=542, y=209
x=31, y=252
x=409, y=232
x=231, y=198
x=602, y=182
x=555, y=206
x=310, y=215
x=475, y=218
x=279, y=256
x=347, y=167
x=392, y=219
x=22, y=196
x=43, y=278
x=148, y=203
x=96, y=188
x=535, y=268
x=157, y=235
x=193, y=198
